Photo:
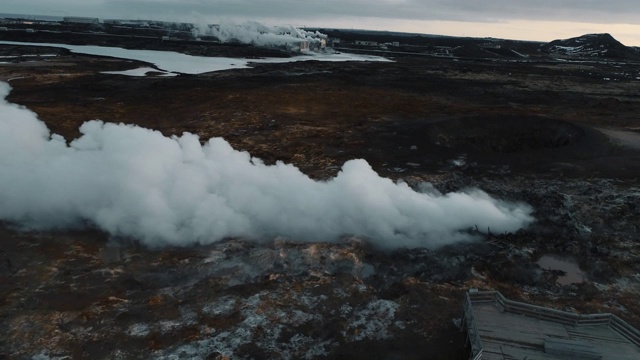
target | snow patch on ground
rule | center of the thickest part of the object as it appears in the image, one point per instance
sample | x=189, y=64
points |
x=373, y=321
x=138, y=330
x=222, y=307
x=261, y=324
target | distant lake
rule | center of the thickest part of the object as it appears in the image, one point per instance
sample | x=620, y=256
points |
x=170, y=61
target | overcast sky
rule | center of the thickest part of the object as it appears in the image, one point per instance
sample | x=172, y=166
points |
x=518, y=19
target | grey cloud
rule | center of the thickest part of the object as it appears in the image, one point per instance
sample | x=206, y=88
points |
x=617, y=11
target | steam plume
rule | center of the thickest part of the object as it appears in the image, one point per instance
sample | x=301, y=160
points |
x=135, y=182
x=256, y=33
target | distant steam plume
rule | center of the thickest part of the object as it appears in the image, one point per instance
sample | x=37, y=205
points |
x=256, y=33
x=135, y=182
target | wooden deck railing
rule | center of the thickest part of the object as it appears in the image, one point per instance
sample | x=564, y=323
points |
x=564, y=317
x=474, y=336
x=624, y=329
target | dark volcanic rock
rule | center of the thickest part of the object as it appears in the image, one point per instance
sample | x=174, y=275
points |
x=236, y=299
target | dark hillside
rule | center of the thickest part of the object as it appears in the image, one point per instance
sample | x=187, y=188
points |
x=591, y=45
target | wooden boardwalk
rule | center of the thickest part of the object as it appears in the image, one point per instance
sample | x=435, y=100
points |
x=501, y=329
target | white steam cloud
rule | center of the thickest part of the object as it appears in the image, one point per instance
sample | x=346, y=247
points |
x=137, y=183
x=256, y=33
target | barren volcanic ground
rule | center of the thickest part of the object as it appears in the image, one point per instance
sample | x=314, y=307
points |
x=557, y=135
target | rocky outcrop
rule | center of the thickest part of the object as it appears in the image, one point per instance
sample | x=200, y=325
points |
x=591, y=46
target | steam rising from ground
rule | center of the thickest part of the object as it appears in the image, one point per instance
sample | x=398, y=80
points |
x=135, y=182
x=256, y=33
